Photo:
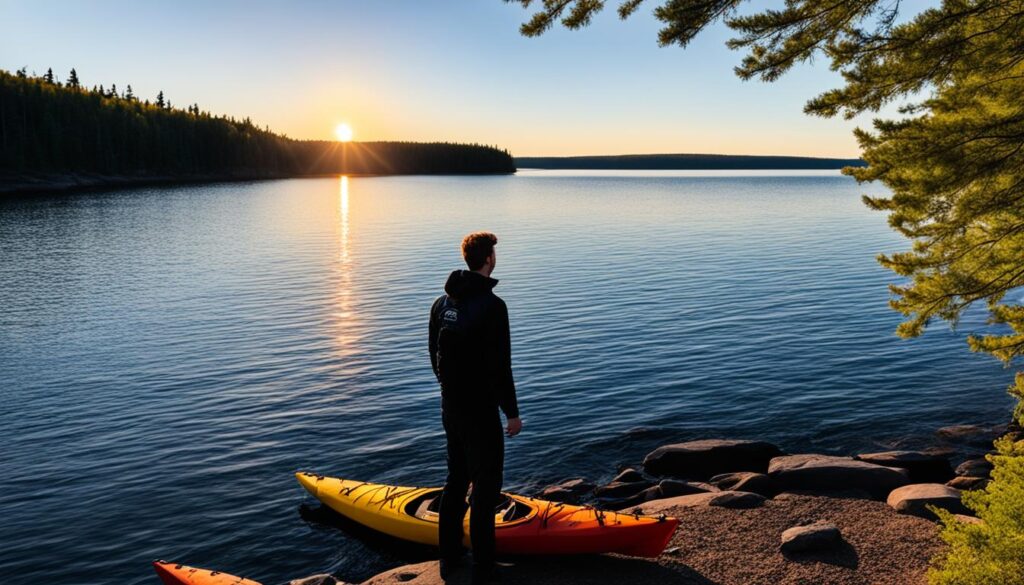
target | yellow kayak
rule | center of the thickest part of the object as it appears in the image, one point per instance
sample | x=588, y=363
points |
x=522, y=525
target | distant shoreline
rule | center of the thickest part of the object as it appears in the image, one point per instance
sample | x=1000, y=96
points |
x=63, y=183
x=695, y=162
x=28, y=184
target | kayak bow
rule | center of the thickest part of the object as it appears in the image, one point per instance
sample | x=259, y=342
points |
x=175, y=574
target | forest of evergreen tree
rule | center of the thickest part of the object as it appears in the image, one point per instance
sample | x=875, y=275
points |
x=53, y=127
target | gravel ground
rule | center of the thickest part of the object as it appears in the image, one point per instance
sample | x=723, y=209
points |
x=718, y=546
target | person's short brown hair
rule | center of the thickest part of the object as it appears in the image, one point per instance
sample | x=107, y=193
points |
x=477, y=248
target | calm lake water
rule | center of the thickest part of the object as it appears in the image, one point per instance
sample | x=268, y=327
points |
x=171, y=355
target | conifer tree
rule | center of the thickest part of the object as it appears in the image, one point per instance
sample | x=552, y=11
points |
x=64, y=129
x=49, y=76
x=73, y=79
x=160, y=100
x=113, y=91
x=128, y=94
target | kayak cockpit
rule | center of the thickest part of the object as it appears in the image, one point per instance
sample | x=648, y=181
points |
x=427, y=506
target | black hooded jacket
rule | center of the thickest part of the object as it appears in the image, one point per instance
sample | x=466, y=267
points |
x=470, y=348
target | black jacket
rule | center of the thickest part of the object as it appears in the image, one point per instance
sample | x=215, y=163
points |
x=470, y=349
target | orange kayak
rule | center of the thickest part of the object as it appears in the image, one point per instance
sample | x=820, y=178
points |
x=523, y=526
x=174, y=574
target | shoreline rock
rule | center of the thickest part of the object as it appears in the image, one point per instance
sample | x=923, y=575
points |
x=914, y=499
x=709, y=457
x=830, y=473
x=979, y=467
x=746, y=481
x=811, y=537
x=923, y=467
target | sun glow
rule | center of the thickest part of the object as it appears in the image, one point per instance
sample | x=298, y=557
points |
x=343, y=132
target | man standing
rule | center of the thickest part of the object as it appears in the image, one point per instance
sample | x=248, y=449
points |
x=471, y=355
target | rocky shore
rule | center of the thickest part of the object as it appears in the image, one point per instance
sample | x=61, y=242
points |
x=751, y=514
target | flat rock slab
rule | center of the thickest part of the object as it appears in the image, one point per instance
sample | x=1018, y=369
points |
x=734, y=500
x=914, y=499
x=746, y=481
x=923, y=467
x=818, y=536
x=828, y=473
x=703, y=459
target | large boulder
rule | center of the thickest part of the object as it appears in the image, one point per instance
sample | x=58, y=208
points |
x=827, y=473
x=746, y=481
x=703, y=459
x=914, y=499
x=923, y=467
x=734, y=500
x=979, y=467
x=812, y=537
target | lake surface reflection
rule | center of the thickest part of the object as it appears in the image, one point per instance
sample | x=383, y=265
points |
x=171, y=355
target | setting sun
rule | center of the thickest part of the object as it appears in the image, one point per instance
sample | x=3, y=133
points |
x=343, y=132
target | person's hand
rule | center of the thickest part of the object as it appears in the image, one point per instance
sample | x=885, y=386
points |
x=514, y=426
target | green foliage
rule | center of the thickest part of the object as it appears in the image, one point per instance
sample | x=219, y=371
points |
x=990, y=552
x=47, y=128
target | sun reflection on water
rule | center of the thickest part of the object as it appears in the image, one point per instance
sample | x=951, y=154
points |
x=344, y=219
x=350, y=328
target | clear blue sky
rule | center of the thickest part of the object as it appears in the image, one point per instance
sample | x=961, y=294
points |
x=430, y=70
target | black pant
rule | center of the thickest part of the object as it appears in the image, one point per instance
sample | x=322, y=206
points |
x=476, y=453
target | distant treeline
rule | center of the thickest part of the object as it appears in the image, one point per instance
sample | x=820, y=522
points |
x=685, y=162
x=50, y=127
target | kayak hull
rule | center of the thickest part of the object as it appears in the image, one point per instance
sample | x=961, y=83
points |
x=175, y=574
x=540, y=527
